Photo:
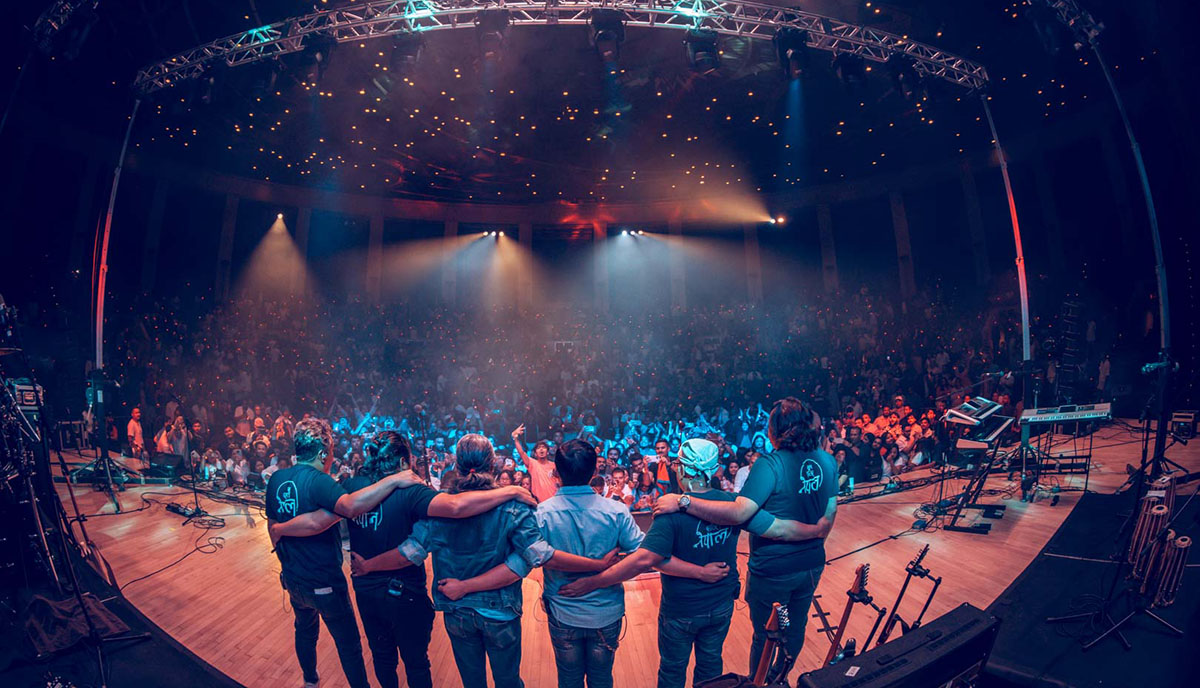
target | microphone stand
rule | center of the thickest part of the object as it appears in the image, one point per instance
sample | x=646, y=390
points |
x=197, y=512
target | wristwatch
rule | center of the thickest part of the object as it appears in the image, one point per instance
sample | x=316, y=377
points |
x=684, y=502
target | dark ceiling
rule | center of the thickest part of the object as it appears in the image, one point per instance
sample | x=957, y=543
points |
x=549, y=122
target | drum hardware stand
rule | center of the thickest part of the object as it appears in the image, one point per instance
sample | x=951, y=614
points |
x=1140, y=604
x=24, y=459
x=1146, y=464
x=1025, y=451
x=39, y=432
x=914, y=568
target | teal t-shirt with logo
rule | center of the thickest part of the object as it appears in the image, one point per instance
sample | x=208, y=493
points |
x=696, y=542
x=795, y=486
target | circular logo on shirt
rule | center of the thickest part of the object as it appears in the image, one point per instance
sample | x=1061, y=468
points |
x=810, y=476
x=285, y=496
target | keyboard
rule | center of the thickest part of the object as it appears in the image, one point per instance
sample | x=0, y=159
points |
x=1070, y=413
x=973, y=411
x=986, y=434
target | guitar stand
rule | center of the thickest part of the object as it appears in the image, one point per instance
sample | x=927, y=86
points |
x=914, y=570
x=837, y=651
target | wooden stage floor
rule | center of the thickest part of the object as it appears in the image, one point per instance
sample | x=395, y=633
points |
x=228, y=607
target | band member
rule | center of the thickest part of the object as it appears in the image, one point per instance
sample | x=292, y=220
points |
x=696, y=610
x=312, y=566
x=478, y=563
x=395, y=609
x=797, y=482
x=584, y=631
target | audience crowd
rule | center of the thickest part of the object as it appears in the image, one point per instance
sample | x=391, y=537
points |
x=226, y=385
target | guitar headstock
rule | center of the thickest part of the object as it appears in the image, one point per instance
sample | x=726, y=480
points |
x=779, y=619
x=860, y=578
x=920, y=556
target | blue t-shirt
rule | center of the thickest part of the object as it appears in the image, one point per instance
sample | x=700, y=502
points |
x=795, y=486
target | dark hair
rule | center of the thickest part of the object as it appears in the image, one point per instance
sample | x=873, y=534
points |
x=575, y=461
x=387, y=452
x=311, y=437
x=596, y=482
x=621, y=470
x=541, y=443
x=791, y=426
x=664, y=441
x=474, y=457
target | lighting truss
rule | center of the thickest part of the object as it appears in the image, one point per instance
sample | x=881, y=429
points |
x=388, y=18
x=1078, y=20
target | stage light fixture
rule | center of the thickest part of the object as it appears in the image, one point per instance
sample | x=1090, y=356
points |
x=279, y=216
x=703, y=53
x=772, y=221
x=406, y=50
x=905, y=78
x=640, y=232
x=780, y=220
x=850, y=68
x=791, y=45
x=490, y=27
x=608, y=30
x=314, y=61
x=204, y=88
x=500, y=234
x=262, y=85
x=624, y=232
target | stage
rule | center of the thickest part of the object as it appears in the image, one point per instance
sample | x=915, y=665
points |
x=227, y=607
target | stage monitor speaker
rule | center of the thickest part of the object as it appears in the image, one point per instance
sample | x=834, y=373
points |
x=948, y=652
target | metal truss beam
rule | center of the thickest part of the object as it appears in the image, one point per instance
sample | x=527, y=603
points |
x=393, y=17
x=1078, y=20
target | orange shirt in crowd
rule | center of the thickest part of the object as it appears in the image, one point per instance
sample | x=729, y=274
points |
x=541, y=478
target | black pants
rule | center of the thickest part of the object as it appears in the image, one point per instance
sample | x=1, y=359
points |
x=331, y=605
x=396, y=623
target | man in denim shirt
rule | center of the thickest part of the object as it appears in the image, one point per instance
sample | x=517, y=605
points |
x=584, y=630
x=478, y=563
x=693, y=613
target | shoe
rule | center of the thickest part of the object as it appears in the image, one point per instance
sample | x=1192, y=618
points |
x=313, y=684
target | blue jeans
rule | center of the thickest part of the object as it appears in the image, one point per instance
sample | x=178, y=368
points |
x=678, y=635
x=584, y=652
x=473, y=636
x=795, y=591
x=332, y=607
